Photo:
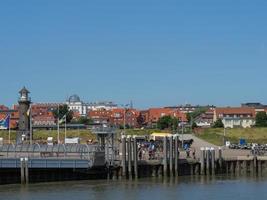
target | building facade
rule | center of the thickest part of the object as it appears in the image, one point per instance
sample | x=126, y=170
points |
x=236, y=117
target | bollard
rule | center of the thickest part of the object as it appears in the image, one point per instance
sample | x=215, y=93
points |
x=135, y=155
x=212, y=150
x=202, y=160
x=123, y=156
x=26, y=165
x=22, y=171
x=165, y=157
x=171, y=156
x=207, y=161
x=176, y=156
x=129, y=147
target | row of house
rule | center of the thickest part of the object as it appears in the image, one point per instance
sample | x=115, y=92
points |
x=109, y=113
x=244, y=116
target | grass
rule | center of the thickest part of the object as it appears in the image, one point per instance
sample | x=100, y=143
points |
x=41, y=135
x=251, y=135
x=85, y=135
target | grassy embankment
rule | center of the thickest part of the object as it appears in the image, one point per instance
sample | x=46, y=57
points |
x=41, y=135
x=85, y=135
x=252, y=135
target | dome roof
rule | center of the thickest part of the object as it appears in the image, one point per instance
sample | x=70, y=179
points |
x=74, y=98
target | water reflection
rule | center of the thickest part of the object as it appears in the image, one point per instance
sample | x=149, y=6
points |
x=194, y=187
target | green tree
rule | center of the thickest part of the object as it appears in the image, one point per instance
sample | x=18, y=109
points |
x=62, y=111
x=195, y=114
x=218, y=124
x=84, y=120
x=261, y=119
x=167, y=122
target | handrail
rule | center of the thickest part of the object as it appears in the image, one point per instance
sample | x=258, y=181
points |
x=31, y=150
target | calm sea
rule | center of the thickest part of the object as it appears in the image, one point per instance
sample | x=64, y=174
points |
x=201, y=188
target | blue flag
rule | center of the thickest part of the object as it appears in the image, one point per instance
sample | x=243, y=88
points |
x=4, y=123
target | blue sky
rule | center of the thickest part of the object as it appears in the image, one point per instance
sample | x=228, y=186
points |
x=152, y=52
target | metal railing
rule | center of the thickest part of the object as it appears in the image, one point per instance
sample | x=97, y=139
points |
x=81, y=151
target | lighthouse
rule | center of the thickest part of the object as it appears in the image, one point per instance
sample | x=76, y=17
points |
x=24, y=116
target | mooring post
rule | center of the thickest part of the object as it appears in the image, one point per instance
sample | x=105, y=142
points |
x=26, y=164
x=135, y=155
x=171, y=155
x=22, y=171
x=165, y=157
x=202, y=160
x=212, y=151
x=176, y=154
x=129, y=157
x=123, y=139
x=207, y=161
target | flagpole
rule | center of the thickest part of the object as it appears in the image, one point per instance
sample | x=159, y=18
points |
x=65, y=129
x=30, y=124
x=58, y=123
x=9, y=130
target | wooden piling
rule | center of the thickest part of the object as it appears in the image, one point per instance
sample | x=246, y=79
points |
x=135, y=155
x=129, y=148
x=123, y=139
x=22, y=171
x=255, y=165
x=220, y=159
x=207, y=161
x=232, y=170
x=165, y=157
x=171, y=155
x=251, y=167
x=259, y=167
x=238, y=168
x=212, y=151
x=244, y=167
x=26, y=168
x=202, y=161
x=176, y=156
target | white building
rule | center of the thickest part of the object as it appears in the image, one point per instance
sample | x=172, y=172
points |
x=235, y=117
x=102, y=105
x=75, y=104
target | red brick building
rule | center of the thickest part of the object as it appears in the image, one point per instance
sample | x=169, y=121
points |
x=152, y=115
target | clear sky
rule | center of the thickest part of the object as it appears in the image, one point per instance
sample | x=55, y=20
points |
x=154, y=52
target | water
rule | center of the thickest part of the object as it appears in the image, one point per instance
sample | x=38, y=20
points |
x=185, y=188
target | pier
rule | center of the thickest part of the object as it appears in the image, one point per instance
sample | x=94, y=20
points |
x=118, y=159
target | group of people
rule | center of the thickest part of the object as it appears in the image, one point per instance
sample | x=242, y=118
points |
x=147, y=150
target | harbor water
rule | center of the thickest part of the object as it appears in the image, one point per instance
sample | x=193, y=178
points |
x=182, y=188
